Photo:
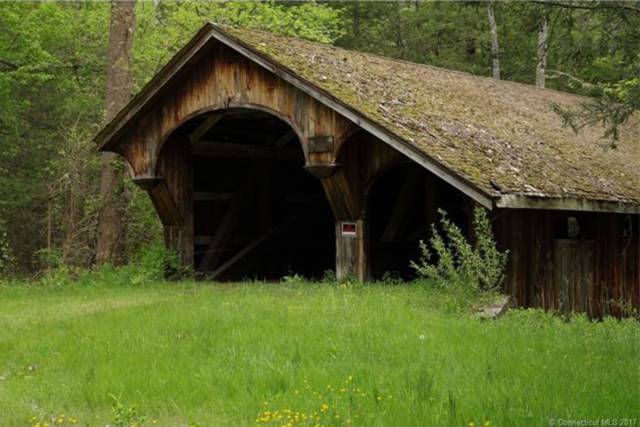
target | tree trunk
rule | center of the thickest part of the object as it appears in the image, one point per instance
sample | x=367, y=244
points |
x=356, y=18
x=543, y=44
x=118, y=91
x=495, y=47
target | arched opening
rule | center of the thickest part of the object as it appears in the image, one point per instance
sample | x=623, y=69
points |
x=402, y=204
x=257, y=214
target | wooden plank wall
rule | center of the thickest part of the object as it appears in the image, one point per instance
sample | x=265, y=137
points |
x=176, y=168
x=598, y=273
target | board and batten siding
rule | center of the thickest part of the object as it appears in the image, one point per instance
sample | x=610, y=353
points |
x=598, y=274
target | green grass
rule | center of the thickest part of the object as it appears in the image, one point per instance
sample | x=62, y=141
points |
x=220, y=354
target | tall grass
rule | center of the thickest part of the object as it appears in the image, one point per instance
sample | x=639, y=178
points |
x=340, y=355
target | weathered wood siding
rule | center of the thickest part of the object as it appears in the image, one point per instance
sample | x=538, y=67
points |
x=176, y=167
x=598, y=274
x=221, y=79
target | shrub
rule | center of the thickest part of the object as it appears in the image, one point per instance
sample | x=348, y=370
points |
x=155, y=262
x=449, y=258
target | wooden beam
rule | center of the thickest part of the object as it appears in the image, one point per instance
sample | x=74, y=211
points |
x=221, y=238
x=401, y=206
x=204, y=127
x=244, y=151
x=204, y=196
x=164, y=204
x=352, y=250
x=237, y=257
x=285, y=139
x=320, y=144
x=565, y=203
x=205, y=240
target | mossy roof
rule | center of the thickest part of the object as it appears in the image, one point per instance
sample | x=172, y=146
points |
x=501, y=137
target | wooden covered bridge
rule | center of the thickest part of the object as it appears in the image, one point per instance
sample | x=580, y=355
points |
x=267, y=156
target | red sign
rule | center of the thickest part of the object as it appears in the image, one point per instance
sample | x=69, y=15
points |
x=349, y=229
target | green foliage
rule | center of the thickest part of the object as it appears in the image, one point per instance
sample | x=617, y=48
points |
x=615, y=104
x=450, y=260
x=155, y=262
x=143, y=228
x=164, y=27
x=126, y=416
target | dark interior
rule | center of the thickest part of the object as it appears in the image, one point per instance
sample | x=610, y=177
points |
x=257, y=213
x=400, y=215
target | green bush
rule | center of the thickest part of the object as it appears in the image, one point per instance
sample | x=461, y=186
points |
x=450, y=260
x=155, y=262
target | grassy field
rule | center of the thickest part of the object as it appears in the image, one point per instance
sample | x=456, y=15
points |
x=301, y=354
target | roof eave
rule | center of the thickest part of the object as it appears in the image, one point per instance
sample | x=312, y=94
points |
x=513, y=201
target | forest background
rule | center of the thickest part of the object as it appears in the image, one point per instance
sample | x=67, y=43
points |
x=55, y=62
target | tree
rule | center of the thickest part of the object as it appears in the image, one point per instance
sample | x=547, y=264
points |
x=118, y=91
x=495, y=46
x=542, y=49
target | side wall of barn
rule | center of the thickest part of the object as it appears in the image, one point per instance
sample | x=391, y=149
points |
x=571, y=261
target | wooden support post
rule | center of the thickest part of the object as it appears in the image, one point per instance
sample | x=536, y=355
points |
x=346, y=178
x=351, y=250
x=166, y=207
x=351, y=232
x=172, y=197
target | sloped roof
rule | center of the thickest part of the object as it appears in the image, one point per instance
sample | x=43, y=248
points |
x=500, y=137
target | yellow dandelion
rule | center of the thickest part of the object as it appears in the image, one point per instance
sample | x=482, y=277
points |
x=471, y=424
